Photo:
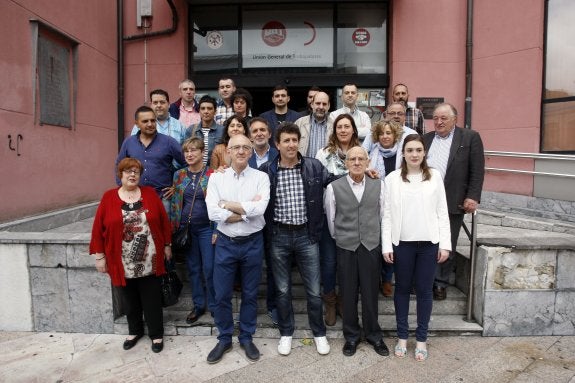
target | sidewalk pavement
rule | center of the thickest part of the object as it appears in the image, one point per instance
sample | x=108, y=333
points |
x=62, y=357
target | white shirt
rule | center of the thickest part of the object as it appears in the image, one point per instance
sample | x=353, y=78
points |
x=251, y=188
x=361, y=119
x=329, y=201
x=438, y=153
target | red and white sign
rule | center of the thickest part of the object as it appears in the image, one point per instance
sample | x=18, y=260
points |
x=274, y=33
x=292, y=39
x=360, y=37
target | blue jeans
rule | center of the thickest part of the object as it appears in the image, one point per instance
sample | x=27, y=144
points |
x=200, y=257
x=287, y=245
x=328, y=259
x=414, y=265
x=244, y=256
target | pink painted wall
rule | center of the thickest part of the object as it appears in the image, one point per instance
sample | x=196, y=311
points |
x=507, y=81
x=58, y=167
x=428, y=43
x=163, y=58
x=427, y=49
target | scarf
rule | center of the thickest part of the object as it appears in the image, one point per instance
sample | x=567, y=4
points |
x=378, y=153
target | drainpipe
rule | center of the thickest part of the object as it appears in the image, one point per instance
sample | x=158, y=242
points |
x=120, y=68
x=468, y=64
x=120, y=71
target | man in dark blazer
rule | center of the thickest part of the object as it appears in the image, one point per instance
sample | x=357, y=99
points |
x=458, y=154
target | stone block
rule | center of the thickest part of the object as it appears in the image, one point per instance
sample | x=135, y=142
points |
x=47, y=255
x=564, y=319
x=90, y=302
x=566, y=269
x=564, y=228
x=523, y=269
x=77, y=255
x=50, y=299
x=492, y=219
x=15, y=293
x=518, y=313
x=529, y=224
x=481, y=258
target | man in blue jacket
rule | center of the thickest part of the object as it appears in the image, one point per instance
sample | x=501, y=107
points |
x=294, y=220
x=280, y=113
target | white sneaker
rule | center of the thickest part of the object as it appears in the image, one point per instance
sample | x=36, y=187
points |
x=284, y=347
x=322, y=345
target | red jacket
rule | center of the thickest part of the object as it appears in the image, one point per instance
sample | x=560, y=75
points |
x=108, y=228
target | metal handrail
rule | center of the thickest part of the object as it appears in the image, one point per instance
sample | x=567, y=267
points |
x=472, y=235
x=529, y=172
x=535, y=156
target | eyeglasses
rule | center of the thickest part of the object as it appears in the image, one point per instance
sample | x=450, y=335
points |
x=237, y=148
x=131, y=171
x=395, y=114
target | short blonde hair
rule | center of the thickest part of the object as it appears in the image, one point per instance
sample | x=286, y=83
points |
x=380, y=125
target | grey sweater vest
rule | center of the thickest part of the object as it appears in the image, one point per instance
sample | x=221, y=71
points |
x=357, y=222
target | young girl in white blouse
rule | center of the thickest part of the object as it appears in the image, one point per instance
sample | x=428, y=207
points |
x=415, y=237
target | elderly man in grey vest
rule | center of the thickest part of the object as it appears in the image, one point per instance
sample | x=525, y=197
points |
x=354, y=207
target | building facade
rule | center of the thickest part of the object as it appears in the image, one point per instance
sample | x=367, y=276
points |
x=74, y=73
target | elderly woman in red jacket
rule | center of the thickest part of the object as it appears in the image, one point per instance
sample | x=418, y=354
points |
x=131, y=236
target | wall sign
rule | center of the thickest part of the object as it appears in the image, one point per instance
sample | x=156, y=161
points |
x=294, y=39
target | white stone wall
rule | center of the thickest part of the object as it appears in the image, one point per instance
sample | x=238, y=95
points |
x=15, y=295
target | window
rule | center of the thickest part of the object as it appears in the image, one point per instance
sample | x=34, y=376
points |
x=344, y=38
x=559, y=96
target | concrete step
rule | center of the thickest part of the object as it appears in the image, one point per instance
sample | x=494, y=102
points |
x=455, y=304
x=439, y=325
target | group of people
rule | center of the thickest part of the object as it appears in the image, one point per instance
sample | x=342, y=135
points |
x=349, y=202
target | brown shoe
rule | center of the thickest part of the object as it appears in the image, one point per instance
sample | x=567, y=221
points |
x=329, y=301
x=386, y=288
x=439, y=293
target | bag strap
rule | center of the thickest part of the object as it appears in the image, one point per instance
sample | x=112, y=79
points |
x=195, y=193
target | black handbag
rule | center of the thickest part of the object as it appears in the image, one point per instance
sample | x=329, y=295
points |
x=181, y=239
x=171, y=287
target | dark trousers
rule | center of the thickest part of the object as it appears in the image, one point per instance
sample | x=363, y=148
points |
x=444, y=270
x=244, y=256
x=360, y=270
x=144, y=296
x=271, y=285
x=414, y=266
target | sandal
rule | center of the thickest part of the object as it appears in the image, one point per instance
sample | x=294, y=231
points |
x=400, y=351
x=420, y=355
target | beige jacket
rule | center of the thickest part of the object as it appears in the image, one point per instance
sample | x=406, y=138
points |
x=304, y=124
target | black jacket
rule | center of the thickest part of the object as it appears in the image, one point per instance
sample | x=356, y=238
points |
x=315, y=178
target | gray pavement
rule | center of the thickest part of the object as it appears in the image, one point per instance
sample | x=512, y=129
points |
x=60, y=357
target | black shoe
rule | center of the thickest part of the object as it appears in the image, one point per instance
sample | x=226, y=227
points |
x=129, y=343
x=251, y=350
x=380, y=348
x=439, y=293
x=349, y=348
x=157, y=347
x=218, y=352
x=194, y=316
